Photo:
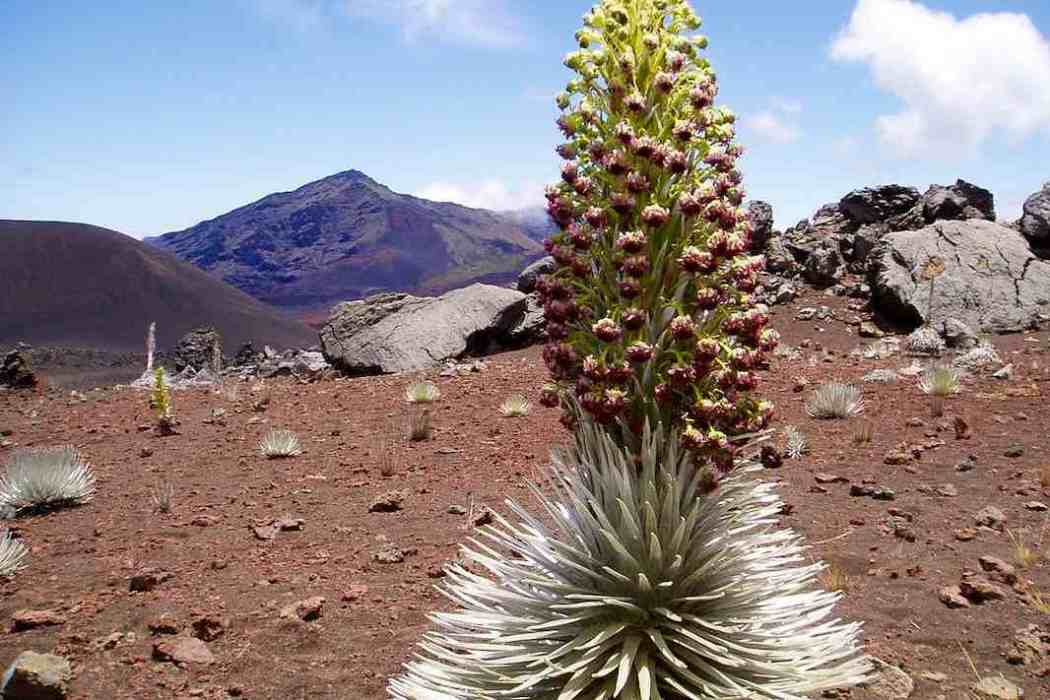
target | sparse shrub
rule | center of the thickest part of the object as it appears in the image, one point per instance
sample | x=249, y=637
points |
x=1024, y=556
x=925, y=341
x=941, y=381
x=865, y=434
x=420, y=426
x=161, y=401
x=46, y=478
x=654, y=571
x=280, y=444
x=834, y=578
x=422, y=392
x=795, y=442
x=13, y=554
x=162, y=496
x=1039, y=602
x=835, y=400
x=515, y=406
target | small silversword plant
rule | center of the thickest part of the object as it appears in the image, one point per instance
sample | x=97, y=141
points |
x=280, y=444
x=941, y=381
x=46, y=478
x=795, y=442
x=515, y=406
x=162, y=496
x=12, y=554
x=925, y=341
x=422, y=392
x=835, y=400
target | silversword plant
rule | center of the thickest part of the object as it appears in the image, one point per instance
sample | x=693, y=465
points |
x=656, y=570
x=941, y=381
x=925, y=341
x=795, y=442
x=422, y=392
x=835, y=400
x=13, y=554
x=45, y=478
x=280, y=444
x=515, y=406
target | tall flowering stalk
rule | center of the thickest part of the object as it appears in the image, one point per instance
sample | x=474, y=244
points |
x=644, y=581
x=649, y=312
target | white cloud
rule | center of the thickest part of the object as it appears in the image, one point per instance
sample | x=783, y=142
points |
x=772, y=128
x=485, y=23
x=962, y=81
x=488, y=194
x=786, y=105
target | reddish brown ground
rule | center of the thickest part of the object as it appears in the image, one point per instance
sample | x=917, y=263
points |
x=82, y=558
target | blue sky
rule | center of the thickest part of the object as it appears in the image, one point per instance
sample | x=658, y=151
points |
x=150, y=117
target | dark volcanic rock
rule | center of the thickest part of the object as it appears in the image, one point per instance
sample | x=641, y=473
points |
x=761, y=215
x=398, y=333
x=823, y=267
x=199, y=349
x=879, y=204
x=348, y=237
x=1035, y=223
x=35, y=676
x=992, y=281
x=15, y=372
x=960, y=201
x=531, y=274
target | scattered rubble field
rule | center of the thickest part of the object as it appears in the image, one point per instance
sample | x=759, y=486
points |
x=310, y=578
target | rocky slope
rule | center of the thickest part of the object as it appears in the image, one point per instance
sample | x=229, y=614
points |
x=347, y=236
x=79, y=285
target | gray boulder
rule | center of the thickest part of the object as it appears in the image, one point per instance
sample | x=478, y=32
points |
x=35, y=676
x=761, y=215
x=199, y=349
x=992, y=282
x=16, y=372
x=884, y=204
x=779, y=258
x=958, y=202
x=531, y=274
x=824, y=267
x=391, y=333
x=1035, y=223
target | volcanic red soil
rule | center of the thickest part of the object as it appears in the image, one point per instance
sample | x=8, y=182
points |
x=235, y=585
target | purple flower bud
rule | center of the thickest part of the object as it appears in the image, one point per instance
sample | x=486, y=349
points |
x=707, y=298
x=700, y=97
x=664, y=82
x=663, y=393
x=635, y=102
x=693, y=439
x=596, y=217
x=567, y=151
x=644, y=147
x=598, y=151
x=631, y=242
x=769, y=340
x=581, y=240
x=707, y=348
x=633, y=319
x=636, y=266
x=607, y=330
x=583, y=185
x=676, y=61
x=681, y=375
x=623, y=203
x=550, y=396
x=639, y=352
x=689, y=204
x=621, y=374
x=637, y=183
x=630, y=289
x=683, y=130
x=654, y=215
x=624, y=133
x=697, y=261
x=616, y=163
x=566, y=126
x=660, y=155
x=677, y=162
x=570, y=171
x=682, y=328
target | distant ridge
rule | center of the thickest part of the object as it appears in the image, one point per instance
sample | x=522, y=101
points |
x=347, y=236
x=79, y=285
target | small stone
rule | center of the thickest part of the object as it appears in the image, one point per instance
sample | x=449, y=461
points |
x=486, y=516
x=208, y=628
x=306, y=610
x=1004, y=373
x=163, y=624
x=455, y=509
x=265, y=532
x=952, y=597
x=824, y=478
x=35, y=676
x=997, y=688
x=389, y=502
x=947, y=491
x=884, y=494
x=870, y=330
x=390, y=554
x=148, y=579
x=204, y=521
x=287, y=523
x=916, y=423
x=991, y=517
x=962, y=428
x=999, y=570
x=888, y=682
x=1014, y=451
x=355, y=592
x=1036, y=506
x=965, y=534
x=934, y=676
x=24, y=620
x=1030, y=646
x=183, y=651
x=966, y=465
x=978, y=589
x=897, y=458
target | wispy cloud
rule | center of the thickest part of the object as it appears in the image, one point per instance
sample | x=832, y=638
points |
x=779, y=124
x=482, y=23
x=487, y=194
x=962, y=81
